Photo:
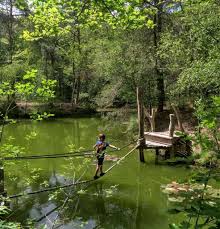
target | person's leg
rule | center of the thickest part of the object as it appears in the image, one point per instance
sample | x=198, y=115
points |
x=97, y=169
x=101, y=171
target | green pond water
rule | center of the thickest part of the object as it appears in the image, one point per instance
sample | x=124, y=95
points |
x=128, y=197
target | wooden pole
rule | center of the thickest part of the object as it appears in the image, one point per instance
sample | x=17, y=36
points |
x=172, y=125
x=140, y=106
x=157, y=156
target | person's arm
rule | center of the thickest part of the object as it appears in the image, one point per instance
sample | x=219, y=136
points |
x=113, y=147
x=96, y=145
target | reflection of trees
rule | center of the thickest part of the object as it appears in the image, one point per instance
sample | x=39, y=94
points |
x=55, y=135
x=113, y=212
x=116, y=211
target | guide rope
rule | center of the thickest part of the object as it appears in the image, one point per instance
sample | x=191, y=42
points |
x=59, y=155
x=74, y=183
x=81, y=154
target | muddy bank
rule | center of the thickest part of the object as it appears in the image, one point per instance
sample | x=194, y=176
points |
x=25, y=110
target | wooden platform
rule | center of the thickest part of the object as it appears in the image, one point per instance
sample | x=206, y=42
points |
x=159, y=140
x=156, y=145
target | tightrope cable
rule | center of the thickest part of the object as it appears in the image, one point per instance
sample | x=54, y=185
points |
x=122, y=158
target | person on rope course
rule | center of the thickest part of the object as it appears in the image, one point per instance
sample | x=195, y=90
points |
x=100, y=148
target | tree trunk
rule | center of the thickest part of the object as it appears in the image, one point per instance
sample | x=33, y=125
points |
x=10, y=30
x=73, y=83
x=160, y=80
x=151, y=118
x=78, y=85
x=178, y=116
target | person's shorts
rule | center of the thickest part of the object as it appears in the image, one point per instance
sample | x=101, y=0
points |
x=100, y=160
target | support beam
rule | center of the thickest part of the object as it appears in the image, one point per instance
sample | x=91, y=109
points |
x=140, y=107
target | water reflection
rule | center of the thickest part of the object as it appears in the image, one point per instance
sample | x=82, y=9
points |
x=129, y=197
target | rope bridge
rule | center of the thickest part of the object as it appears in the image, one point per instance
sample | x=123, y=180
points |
x=74, y=183
x=83, y=153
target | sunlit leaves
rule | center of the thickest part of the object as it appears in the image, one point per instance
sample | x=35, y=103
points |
x=34, y=177
x=4, y=210
x=9, y=225
x=31, y=136
x=8, y=149
x=6, y=89
x=30, y=75
x=183, y=225
x=30, y=87
x=39, y=117
x=56, y=18
x=47, y=20
x=46, y=90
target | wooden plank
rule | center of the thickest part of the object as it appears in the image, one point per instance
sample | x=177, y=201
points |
x=157, y=144
x=160, y=137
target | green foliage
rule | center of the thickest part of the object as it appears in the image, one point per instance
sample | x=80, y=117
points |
x=197, y=199
x=95, y=53
x=6, y=89
x=190, y=50
x=8, y=149
x=47, y=19
x=55, y=18
x=32, y=88
x=9, y=225
x=29, y=88
x=183, y=225
x=39, y=117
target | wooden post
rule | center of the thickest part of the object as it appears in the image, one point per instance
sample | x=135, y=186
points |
x=157, y=156
x=140, y=106
x=172, y=125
